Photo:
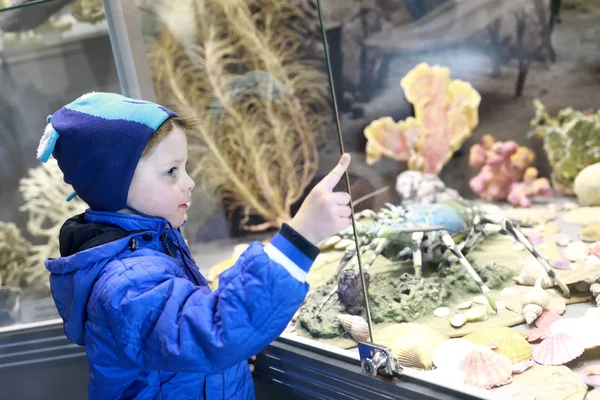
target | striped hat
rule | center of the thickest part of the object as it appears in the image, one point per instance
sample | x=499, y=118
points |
x=98, y=140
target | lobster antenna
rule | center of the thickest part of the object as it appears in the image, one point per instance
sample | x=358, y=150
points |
x=347, y=179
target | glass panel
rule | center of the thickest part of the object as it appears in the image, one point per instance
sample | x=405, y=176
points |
x=256, y=78
x=420, y=85
x=51, y=53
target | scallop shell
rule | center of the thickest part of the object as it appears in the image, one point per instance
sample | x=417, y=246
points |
x=451, y=352
x=457, y=320
x=356, y=326
x=509, y=342
x=583, y=329
x=485, y=368
x=441, y=312
x=557, y=349
x=411, y=344
x=576, y=251
x=478, y=313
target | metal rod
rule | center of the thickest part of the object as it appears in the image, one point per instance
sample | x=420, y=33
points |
x=347, y=178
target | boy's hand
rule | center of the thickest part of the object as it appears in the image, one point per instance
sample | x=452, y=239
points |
x=324, y=212
x=250, y=363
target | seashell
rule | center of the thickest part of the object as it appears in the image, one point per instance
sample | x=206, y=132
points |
x=583, y=329
x=592, y=312
x=507, y=292
x=485, y=368
x=595, y=249
x=592, y=260
x=441, y=312
x=576, y=251
x=535, y=301
x=458, y=320
x=557, y=349
x=343, y=244
x=451, y=352
x=480, y=300
x=547, y=318
x=595, y=289
x=508, y=342
x=356, y=326
x=562, y=239
x=535, y=238
x=500, y=305
x=522, y=367
x=537, y=334
x=531, y=272
x=477, y=313
x=591, y=375
x=559, y=263
x=465, y=305
x=411, y=344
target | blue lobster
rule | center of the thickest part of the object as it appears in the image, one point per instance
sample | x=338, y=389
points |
x=432, y=232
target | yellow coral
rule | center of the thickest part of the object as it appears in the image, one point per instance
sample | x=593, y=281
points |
x=446, y=112
x=394, y=140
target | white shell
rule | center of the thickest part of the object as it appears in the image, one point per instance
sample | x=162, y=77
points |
x=507, y=292
x=457, y=320
x=576, y=251
x=531, y=312
x=441, y=312
x=480, y=300
x=500, y=305
x=562, y=239
x=478, y=313
x=531, y=272
x=465, y=305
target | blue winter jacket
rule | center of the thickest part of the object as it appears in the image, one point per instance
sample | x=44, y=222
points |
x=128, y=290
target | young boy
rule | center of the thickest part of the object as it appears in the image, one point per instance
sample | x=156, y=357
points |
x=126, y=286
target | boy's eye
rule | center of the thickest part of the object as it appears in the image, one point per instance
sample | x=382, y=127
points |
x=171, y=172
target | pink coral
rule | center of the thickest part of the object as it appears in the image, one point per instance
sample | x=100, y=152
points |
x=505, y=172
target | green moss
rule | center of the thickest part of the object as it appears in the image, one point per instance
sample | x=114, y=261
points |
x=325, y=324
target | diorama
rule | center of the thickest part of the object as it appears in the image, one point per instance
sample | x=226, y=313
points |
x=474, y=130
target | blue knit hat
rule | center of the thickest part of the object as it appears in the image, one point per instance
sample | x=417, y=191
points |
x=98, y=140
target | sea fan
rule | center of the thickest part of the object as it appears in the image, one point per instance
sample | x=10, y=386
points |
x=244, y=72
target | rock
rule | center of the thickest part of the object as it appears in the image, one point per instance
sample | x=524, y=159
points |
x=587, y=186
x=590, y=233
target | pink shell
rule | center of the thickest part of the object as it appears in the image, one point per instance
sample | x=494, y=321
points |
x=561, y=264
x=485, y=368
x=595, y=249
x=557, y=349
x=546, y=318
x=535, y=238
x=591, y=375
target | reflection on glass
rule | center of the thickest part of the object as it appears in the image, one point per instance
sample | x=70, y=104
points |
x=51, y=53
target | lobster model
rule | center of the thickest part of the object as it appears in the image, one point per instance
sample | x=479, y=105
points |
x=426, y=232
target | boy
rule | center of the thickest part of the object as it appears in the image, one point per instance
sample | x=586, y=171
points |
x=126, y=286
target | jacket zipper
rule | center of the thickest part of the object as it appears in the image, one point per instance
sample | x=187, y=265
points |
x=195, y=275
x=163, y=239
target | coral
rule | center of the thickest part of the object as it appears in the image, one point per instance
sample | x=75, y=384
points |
x=445, y=116
x=45, y=193
x=90, y=11
x=14, y=250
x=505, y=172
x=571, y=142
x=259, y=99
x=419, y=188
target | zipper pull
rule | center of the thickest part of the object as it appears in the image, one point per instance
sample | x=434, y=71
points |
x=163, y=238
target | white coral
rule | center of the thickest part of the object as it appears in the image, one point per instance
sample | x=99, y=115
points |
x=45, y=195
x=14, y=250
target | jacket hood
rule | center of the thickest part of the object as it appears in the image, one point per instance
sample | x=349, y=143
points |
x=87, y=243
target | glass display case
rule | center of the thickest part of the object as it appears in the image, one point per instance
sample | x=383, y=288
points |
x=475, y=141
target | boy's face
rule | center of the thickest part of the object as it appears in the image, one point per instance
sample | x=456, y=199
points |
x=161, y=186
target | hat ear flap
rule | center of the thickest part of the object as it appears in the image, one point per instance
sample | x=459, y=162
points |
x=47, y=143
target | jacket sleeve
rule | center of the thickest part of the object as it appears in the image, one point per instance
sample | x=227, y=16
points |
x=166, y=322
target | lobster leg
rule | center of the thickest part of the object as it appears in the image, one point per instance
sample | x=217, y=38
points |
x=449, y=243
x=477, y=233
x=417, y=238
x=508, y=228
